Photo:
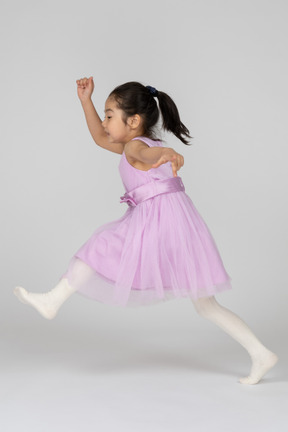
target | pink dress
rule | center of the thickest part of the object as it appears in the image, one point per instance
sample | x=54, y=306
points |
x=160, y=249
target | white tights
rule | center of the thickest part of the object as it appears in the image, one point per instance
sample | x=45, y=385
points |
x=49, y=303
x=262, y=358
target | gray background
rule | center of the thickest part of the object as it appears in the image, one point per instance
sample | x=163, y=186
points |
x=157, y=368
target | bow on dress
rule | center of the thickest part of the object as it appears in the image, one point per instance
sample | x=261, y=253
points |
x=128, y=199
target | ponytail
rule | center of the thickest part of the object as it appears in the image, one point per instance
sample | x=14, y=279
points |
x=171, y=118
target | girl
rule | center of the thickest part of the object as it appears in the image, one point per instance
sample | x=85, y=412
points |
x=160, y=248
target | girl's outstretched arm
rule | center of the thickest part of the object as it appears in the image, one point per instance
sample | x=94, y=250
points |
x=85, y=87
x=155, y=156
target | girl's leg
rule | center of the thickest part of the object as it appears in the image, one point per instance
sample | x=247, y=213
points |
x=262, y=359
x=47, y=304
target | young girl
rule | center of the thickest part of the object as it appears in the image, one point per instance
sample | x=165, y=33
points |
x=160, y=248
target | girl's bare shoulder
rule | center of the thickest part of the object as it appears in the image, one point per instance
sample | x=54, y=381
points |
x=133, y=148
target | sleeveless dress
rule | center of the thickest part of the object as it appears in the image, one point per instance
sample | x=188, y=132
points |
x=160, y=249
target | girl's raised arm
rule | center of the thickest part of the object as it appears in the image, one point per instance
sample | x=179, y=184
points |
x=85, y=87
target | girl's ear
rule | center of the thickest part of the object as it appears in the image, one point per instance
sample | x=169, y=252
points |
x=134, y=121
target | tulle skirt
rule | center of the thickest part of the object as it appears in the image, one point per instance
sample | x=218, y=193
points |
x=159, y=250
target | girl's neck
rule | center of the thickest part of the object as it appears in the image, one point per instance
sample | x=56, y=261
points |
x=133, y=136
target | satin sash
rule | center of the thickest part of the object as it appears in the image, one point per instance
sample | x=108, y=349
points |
x=151, y=189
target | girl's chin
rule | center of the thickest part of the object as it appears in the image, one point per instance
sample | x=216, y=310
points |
x=112, y=140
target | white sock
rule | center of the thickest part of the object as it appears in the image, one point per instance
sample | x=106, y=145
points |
x=47, y=304
x=262, y=359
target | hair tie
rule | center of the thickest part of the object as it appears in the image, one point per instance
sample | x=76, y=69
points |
x=152, y=91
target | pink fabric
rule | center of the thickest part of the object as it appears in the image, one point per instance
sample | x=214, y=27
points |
x=151, y=189
x=158, y=250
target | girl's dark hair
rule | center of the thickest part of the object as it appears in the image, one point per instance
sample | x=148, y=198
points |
x=134, y=98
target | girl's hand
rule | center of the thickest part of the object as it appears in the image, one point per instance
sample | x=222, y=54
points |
x=169, y=155
x=85, y=87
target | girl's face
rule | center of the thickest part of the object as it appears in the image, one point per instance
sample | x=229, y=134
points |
x=117, y=130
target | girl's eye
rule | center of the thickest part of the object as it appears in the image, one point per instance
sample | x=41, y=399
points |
x=109, y=117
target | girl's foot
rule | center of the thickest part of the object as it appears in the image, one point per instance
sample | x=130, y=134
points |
x=260, y=366
x=47, y=304
x=40, y=302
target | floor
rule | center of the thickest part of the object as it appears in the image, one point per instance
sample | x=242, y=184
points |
x=131, y=371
